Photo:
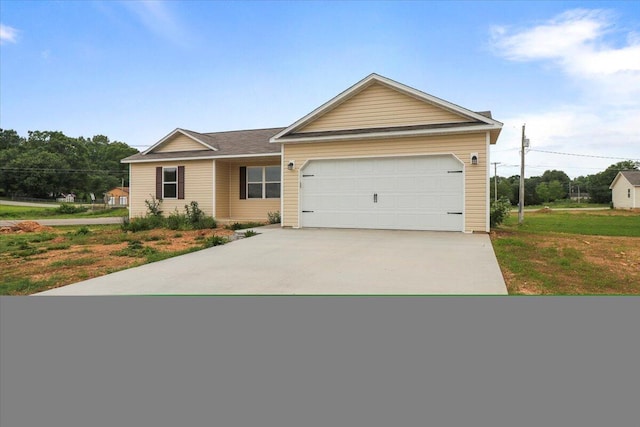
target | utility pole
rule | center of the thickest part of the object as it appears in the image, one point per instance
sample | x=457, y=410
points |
x=521, y=198
x=495, y=180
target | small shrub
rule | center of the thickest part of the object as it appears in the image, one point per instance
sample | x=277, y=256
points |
x=194, y=213
x=176, y=221
x=135, y=249
x=205, y=222
x=243, y=225
x=273, y=217
x=68, y=208
x=153, y=207
x=143, y=223
x=499, y=211
x=83, y=231
x=250, y=233
x=215, y=241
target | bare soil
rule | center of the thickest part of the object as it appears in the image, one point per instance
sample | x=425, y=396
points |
x=67, y=259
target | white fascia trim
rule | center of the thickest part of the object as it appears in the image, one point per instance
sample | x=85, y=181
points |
x=393, y=84
x=171, y=134
x=396, y=134
x=615, y=180
x=172, y=159
x=488, y=185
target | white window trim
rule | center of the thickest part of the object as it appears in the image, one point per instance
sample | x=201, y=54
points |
x=264, y=182
x=169, y=182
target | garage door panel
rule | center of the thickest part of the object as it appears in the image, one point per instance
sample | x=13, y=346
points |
x=412, y=193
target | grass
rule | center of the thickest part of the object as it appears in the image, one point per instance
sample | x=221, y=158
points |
x=9, y=212
x=566, y=204
x=570, y=253
x=35, y=262
x=597, y=223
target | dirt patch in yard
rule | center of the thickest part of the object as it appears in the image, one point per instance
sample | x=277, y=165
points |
x=556, y=263
x=47, y=257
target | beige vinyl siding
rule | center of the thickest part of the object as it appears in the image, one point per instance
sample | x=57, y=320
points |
x=620, y=194
x=380, y=106
x=179, y=143
x=222, y=189
x=459, y=145
x=198, y=177
x=249, y=209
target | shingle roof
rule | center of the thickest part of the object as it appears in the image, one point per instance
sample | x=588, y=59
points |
x=231, y=143
x=632, y=176
x=380, y=129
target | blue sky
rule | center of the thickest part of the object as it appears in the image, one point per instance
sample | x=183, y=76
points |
x=134, y=71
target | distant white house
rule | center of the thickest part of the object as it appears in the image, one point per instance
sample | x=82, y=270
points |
x=625, y=190
x=66, y=198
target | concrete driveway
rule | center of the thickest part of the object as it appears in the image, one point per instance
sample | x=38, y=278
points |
x=317, y=261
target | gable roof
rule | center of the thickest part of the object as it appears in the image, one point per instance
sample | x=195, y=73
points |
x=633, y=176
x=240, y=143
x=477, y=121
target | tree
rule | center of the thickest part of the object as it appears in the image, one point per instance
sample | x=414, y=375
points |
x=598, y=184
x=542, y=190
x=556, y=190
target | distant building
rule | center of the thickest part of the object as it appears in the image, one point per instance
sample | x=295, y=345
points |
x=66, y=198
x=118, y=196
x=625, y=190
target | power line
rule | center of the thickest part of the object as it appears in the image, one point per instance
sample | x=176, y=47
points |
x=583, y=155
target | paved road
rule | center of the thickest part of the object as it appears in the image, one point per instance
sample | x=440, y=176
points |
x=29, y=204
x=317, y=261
x=69, y=221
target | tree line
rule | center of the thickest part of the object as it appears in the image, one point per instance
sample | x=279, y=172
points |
x=555, y=185
x=47, y=164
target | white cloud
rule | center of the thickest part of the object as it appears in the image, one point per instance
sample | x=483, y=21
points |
x=8, y=34
x=577, y=41
x=604, y=122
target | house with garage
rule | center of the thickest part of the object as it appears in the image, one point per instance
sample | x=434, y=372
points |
x=378, y=155
x=117, y=197
x=625, y=190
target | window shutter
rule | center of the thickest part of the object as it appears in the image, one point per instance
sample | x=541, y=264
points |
x=159, y=183
x=243, y=182
x=180, y=182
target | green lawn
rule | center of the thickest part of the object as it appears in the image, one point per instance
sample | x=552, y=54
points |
x=9, y=212
x=596, y=223
x=570, y=253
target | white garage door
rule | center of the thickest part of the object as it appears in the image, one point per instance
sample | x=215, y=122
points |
x=403, y=193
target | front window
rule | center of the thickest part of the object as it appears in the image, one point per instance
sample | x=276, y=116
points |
x=112, y=200
x=170, y=183
x=628, y=192
x=123, y=200
x=263, y=182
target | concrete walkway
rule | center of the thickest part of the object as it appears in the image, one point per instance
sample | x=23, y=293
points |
x=317, y=261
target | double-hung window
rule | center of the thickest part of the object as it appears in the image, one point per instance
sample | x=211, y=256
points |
x=263, y=182
x=170, y=183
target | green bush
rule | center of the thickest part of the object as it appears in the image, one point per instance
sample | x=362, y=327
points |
x=215, y=241
x=68, y=208
x=250, y=233
x=243, y=225
x=273, y=217
x=499, y=211
x=83, y=231
x=143, y=223
x=153, y=207
x=176, y=221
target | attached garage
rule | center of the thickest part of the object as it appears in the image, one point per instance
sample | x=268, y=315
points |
x=401, y=193
x=384, y=155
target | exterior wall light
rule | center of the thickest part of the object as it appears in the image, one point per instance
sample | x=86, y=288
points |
x=291, y=165
x=474, y=158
